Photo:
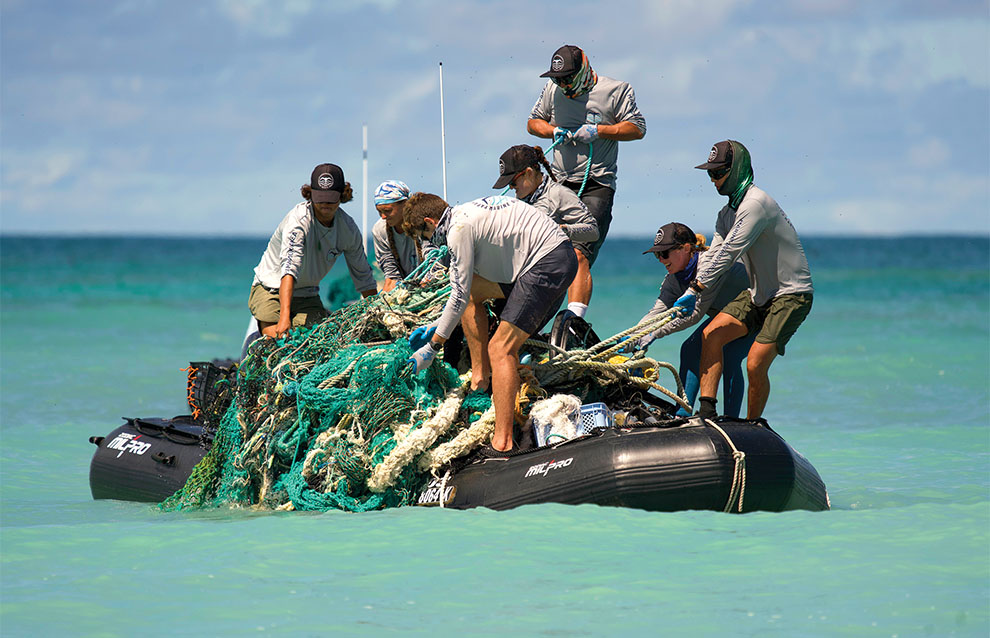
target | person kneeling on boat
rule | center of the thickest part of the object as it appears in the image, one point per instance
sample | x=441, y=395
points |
x=500, y=248
x=683, y=252
x=519, y=168
x=286, y=288
x=396, y=253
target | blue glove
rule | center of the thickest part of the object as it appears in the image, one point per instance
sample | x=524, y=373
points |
x=422, y=358
x=561, y=136
x=587, y=133
x=420, y=336
x=686, y=302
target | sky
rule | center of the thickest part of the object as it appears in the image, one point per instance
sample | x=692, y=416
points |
x=204, y=118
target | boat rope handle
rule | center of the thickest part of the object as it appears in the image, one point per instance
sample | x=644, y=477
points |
x=738, y=491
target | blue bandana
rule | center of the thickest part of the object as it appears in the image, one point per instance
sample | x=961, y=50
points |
x=686, y=276
x=391, y=191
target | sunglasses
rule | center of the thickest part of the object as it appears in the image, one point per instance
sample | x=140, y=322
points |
x=565, y=81
x=664, y=254
x=718, y=173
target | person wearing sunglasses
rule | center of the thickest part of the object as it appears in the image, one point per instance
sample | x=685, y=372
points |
x=285, y=292
x=751, y=228
x=521, y=168
x=586, y=114
x=499, y=248
x=682, y=252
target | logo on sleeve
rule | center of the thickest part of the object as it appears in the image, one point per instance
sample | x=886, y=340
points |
x=325, y=181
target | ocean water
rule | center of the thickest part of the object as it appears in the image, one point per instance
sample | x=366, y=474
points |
x=884, y=389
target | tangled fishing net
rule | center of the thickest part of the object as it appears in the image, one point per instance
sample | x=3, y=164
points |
x=333, y=417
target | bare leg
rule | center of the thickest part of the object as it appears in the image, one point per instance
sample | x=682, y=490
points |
x=761, y=355
x=722, y=329
x=504, y=354
x=580, y=288
x=475, y=325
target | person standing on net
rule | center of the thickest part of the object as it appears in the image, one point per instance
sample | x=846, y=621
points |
x=751, y=228
x=285, y=292
x=586, y=115
x=500, y=248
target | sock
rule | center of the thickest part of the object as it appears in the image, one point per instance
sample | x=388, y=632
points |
x=578, y=308
x=706, y=407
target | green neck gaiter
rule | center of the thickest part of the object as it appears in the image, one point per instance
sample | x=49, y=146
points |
x=740, y=175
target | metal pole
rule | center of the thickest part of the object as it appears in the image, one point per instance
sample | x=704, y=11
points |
x=364, y=196
x=443, y=139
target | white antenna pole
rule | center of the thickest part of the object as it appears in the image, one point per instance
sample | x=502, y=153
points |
x=364, y=197
x=443, y=139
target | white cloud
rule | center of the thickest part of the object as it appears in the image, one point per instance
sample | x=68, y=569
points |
x=910, y=56
x=930, y=153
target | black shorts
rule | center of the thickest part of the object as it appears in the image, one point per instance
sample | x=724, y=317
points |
x=538, y=291
x=599, y=199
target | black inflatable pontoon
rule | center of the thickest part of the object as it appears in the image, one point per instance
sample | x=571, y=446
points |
x=737, y=466
x=146, y=460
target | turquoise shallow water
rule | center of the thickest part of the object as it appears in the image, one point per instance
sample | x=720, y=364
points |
x=884, y=389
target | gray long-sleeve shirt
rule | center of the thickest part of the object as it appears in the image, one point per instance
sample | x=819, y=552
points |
x=760, y=235
x=498, y=238
x=711, y=300
x=564, y=207
x=609, y=102
x=405, y=246
x=306, y=249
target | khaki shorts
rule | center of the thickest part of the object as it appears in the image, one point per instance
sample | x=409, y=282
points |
x=776, y=320
x=264, y=305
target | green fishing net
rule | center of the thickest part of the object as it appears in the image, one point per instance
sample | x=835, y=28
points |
x=333, y=417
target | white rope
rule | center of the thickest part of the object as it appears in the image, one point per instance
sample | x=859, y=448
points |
x=386, y=472
x=738, y=491
x=475, y=436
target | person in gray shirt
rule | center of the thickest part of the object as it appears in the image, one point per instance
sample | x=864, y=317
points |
x=586, y=115
x=683, y=253
x=302, y=250
x=500, y=248
x=396, y=253
x=751, y=228
x=519, y=168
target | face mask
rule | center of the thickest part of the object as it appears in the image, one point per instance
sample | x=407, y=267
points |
x=581, y=82
x=740, y=175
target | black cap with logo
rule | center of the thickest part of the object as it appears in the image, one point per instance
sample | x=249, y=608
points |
x=670, y=236
x=517, y=159
x=327, y=183
x=565, y=61
x=720, y=156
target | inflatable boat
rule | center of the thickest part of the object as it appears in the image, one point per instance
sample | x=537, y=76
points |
x=682, y=464
x=643, y=459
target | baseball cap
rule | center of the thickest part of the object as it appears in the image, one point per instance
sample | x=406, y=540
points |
x=517, y=158
x=721, y=155
x=670, y=236
x=565, y=61
x=327, y=183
